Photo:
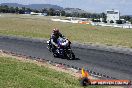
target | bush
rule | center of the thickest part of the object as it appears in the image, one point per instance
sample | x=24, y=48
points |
x=119, y=21
x=111, y=21
x=104, y=21
x=131, y=21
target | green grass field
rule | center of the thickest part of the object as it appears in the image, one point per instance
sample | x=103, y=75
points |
x=15, y=74
x=41, y=27
x=19, y=74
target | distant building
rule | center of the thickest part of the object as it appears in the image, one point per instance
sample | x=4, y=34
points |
x=112, y=15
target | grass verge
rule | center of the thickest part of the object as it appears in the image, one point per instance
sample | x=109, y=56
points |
x=15, y=73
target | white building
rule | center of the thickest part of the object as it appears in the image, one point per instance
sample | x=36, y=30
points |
x=112, y=15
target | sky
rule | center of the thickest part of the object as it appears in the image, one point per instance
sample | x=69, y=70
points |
x=97, y=6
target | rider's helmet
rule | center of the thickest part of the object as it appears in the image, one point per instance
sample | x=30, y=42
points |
x=56, y=31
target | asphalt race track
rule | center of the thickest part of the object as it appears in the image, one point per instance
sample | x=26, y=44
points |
x=115, y=65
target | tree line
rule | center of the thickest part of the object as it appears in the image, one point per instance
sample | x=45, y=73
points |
x=6, y=9
x=52, y=12
x=23, y=10
x=127, y=18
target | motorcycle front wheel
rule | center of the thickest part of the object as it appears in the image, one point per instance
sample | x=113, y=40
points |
x=70, y=56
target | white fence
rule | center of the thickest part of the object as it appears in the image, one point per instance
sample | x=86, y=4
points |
x=113, y=25
x=67, y=21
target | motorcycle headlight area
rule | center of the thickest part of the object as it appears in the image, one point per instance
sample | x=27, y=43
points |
x=65, y=43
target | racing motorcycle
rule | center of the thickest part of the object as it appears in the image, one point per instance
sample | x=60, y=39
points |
x=63, y=50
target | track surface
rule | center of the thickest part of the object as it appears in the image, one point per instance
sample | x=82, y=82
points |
x=112, y=64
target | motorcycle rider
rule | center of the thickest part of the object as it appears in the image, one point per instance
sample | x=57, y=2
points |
x=53, y=39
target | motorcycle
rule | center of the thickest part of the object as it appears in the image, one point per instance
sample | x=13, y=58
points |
x=63, y=50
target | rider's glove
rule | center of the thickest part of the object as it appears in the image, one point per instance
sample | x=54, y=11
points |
x=56, y=45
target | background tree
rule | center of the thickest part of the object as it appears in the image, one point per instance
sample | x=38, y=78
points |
x=63, y=13
x=75, y=14
x=119, y=21
x=89, y=15
x=130, y=20
x=111, y=21
x=12, y=10
x=4, y=9
x=68, y=15
x=16, y=10
x=28, y=10
x=83, y=15
x=103, y=16
x=22, y=10
x=51, y=12
x=57, y=13
x=127, y=18
x=44, y=10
